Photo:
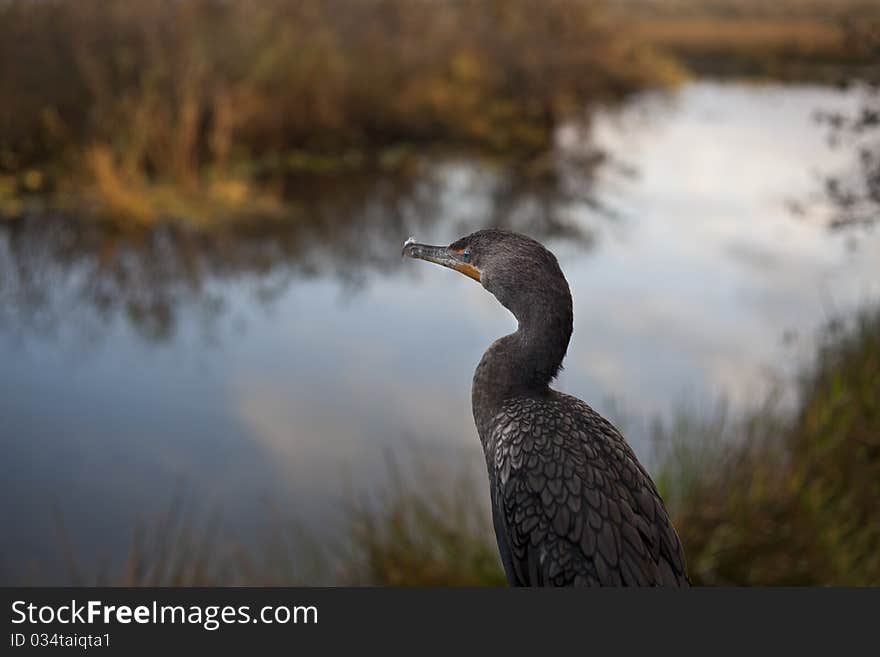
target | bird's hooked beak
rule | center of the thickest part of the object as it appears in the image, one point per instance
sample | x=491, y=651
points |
x=440, y=255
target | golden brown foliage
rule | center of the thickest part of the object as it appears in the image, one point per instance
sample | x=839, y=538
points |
x=802, y=39
x=120, y=94
x=792, y=502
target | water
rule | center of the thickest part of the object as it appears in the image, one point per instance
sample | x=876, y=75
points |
x=278, y=366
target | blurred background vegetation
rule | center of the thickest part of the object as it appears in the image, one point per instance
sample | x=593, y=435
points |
x=166, y=109
x=789, y=39
x=200, y=126
x=787, y=498
x=196, y=110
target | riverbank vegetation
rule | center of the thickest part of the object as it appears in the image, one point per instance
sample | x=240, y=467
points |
x=201, y=110
x=777, y=499
x=163, y=108
x=805, y=40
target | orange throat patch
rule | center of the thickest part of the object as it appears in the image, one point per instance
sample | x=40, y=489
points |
x=468, y=270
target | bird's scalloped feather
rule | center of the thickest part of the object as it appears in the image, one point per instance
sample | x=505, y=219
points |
x=571, y=503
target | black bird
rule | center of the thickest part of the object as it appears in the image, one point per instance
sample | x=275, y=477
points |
x=571, y=504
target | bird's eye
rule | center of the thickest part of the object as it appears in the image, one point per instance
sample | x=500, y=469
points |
x=466, y=256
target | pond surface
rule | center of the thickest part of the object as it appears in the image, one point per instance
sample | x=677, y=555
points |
x=280, y=365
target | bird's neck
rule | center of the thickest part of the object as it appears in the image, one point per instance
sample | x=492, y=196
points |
x=524, y=362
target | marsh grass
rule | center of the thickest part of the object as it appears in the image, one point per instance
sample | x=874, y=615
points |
x=197, y=110
x=164, y=108
x=424, y=530
x=179, y=547
x=789, y=498
x=425, y=526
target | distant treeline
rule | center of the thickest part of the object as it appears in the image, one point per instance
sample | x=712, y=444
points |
x=789, y=39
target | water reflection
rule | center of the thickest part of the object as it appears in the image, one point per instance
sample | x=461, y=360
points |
x=686, y=276
x=57, y=269
x=854, y=193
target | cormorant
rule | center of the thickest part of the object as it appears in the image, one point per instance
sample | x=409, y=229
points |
x=571, y=504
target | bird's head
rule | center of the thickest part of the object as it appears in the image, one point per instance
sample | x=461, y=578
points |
x=523, y=275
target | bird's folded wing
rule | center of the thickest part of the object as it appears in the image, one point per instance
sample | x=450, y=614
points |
x=573, y=506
